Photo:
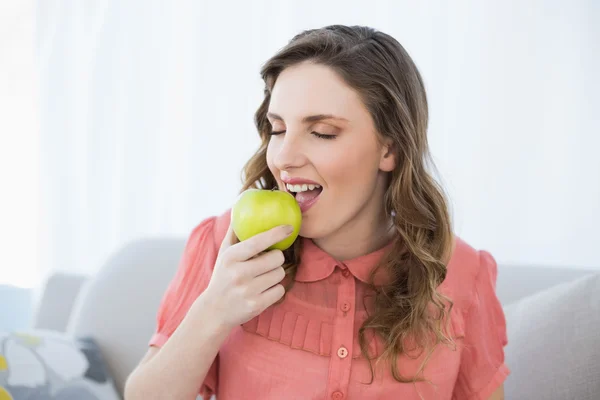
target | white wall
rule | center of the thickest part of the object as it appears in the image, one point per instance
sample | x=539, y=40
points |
x=147, y=113
x=516, y=128
x=19, y=145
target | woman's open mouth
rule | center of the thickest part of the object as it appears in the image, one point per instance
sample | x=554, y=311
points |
x=306, y=194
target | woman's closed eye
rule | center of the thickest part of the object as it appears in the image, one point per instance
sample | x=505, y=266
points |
x=316, y=134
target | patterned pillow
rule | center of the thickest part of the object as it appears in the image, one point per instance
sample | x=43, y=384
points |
x=40, y=365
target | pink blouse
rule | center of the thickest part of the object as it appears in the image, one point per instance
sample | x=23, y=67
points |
x=307, y=346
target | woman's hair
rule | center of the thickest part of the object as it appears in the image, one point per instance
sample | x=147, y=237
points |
x=408, y=309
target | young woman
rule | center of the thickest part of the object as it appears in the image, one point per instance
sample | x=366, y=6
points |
x=377, y=299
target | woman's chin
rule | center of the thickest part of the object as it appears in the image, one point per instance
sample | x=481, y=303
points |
x=305, y=231
x=304, y=234
x=311, y=231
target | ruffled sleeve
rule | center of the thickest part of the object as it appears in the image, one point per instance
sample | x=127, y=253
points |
x=482, y=369
x=191, y=279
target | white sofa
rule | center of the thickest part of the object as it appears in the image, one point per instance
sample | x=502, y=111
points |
x=553, y=318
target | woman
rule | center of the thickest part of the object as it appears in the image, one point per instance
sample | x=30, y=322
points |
x=376, y=299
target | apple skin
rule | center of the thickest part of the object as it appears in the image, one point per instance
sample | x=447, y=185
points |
x=258, y=210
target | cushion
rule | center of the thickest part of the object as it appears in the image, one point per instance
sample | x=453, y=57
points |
x=118, y=306
x=36, y=365
x=554, y=343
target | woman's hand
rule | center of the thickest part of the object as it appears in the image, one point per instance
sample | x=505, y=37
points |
x=244, y=281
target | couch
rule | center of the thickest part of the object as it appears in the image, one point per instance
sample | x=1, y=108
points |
x=553, y=317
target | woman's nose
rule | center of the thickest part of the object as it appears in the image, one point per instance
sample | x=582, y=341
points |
x=289, y=152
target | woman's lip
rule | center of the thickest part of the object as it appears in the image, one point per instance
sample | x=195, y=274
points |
x=299, y=181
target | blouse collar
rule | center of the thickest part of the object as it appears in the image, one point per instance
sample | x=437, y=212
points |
x=316, y=264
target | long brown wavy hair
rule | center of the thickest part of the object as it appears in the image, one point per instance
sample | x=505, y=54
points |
x=408, y=309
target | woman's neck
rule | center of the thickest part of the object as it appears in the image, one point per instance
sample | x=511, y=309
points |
x=361, y=235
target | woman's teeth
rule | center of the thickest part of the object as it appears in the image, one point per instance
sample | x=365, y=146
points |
x=301, y=188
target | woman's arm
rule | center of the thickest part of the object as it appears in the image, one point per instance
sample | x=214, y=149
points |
x=178, y=368
x=241, y=286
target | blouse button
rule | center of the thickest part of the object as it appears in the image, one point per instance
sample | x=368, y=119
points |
x=337, y=395
x=345, y=306
x=346, y=273
x=342, y=352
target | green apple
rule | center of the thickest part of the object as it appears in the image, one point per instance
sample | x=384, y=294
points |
x=258, y=210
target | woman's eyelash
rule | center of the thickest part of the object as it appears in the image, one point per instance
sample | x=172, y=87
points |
x=322, y=136
x=317, y=134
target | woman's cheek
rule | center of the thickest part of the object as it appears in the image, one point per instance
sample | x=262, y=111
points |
x=269, y=155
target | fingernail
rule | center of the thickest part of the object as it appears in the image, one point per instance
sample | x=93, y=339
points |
x=288, y=229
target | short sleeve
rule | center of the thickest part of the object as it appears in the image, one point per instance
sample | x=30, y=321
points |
x=482, y=369
x=190, y=280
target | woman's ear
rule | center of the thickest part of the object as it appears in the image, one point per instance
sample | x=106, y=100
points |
x=387, y=162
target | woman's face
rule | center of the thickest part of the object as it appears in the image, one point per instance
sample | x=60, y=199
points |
x=324, y=139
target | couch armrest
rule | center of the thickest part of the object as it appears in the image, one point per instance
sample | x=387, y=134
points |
x=56, y=301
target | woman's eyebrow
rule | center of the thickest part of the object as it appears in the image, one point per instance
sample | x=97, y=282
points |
x=310, y=118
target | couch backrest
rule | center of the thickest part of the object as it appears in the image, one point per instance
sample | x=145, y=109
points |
x=118, y=307
x=518, y=281
x=553, y=348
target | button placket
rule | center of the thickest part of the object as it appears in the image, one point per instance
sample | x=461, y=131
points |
x=342, y=344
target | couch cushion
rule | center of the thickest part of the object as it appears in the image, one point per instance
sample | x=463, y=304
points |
x=554, y=343
x=118, y=307
x=55, y=305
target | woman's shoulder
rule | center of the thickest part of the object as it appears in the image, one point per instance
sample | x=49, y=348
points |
x=202, y=248
x=210, y=229
x=465, y=270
